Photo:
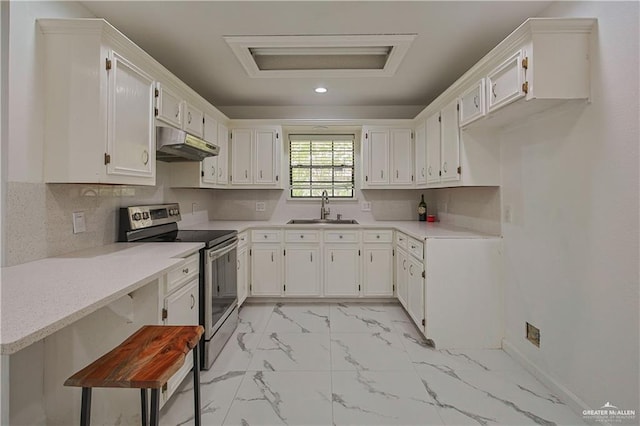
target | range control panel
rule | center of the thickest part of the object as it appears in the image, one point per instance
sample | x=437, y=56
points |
x=146, y=216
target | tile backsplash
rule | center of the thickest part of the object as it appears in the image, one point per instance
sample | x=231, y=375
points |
x=38, y=220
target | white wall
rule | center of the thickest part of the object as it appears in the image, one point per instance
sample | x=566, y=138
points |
x=571, y=251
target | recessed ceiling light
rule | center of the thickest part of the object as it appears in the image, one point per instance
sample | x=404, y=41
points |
x=321, y=90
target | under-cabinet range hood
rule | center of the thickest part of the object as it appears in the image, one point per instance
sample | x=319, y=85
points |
x=175, y=145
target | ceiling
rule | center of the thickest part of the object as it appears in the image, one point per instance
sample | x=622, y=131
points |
x=188, y=39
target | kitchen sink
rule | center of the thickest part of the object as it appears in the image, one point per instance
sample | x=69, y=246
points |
x=328, y=221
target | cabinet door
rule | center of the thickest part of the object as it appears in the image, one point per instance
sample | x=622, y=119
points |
x=265, y=171
x=242, y=276
x=402, y=274
x=472, y=104
x=504, y=84
x=378, y=270
x=182, y=305
x=241, y=147
x=266, y=263
x=401, y=156
x=131, y=131
x=210, y=129
x=169, y=107
x=341, y=272
x=450, y=142
x=210, y=164
x=193, y=120
x=378, y=141
x=420, y=168
x=223, y=156
x=302, y=270
x=433, y=148
x=415, y=292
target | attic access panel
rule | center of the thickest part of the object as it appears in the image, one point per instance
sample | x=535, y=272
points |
x=321, y=56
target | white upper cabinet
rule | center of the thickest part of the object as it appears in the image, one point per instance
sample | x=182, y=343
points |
x=223, y=157
x=401, y=156
x=472, y=103
x=255, y=157
x=506, y=82
x=192, y=119
x=99, y=105
x=387, y=157
x=210, y=165
x=420, y=146
x=168, y=106
x=449, y=143
x=433, y=148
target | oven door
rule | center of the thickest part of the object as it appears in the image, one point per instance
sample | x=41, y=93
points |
x=220, y=285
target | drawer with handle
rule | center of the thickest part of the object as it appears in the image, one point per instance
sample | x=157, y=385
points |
x=415, y=247
x=243, y=239
x=374, y=236
x=341, y=236
x=265, y=236
x=401, y=240
x=301, y=236
x=178, y=275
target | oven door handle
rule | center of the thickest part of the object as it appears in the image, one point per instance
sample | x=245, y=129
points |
x=233, y=243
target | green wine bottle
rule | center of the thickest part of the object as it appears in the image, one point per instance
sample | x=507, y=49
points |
x=422, y=210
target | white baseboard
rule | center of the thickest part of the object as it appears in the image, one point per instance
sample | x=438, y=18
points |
x=572, y=400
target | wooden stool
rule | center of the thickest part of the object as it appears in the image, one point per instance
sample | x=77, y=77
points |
x=146, y=360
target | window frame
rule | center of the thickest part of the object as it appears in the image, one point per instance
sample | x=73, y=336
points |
x=325, y=137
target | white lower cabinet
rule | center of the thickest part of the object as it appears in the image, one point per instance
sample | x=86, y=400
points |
x=378, y=270
x=402, y=273
x=180, y=296
x=266, y=264
x=415, y=291
x=302, y=270
x=342, y=270
x=242, y=272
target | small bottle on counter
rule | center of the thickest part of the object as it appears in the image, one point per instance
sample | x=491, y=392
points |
x=422, y=210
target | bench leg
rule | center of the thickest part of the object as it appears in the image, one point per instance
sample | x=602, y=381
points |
x=143, y=403
x=196, y=384
x=85, y=409
x=155, y=407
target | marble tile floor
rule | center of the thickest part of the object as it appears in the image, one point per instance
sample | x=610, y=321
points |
x=358, y=364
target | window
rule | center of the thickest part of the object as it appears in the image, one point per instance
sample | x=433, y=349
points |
x=321, y=162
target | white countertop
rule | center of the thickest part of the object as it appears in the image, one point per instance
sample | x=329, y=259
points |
x=419, y=230
x=39, y=298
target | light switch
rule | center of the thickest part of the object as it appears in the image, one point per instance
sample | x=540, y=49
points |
x=79, y=223
x=260, y=206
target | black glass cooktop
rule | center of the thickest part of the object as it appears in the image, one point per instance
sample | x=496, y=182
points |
x=210, y=238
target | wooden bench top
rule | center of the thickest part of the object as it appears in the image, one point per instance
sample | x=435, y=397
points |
x=147, y=359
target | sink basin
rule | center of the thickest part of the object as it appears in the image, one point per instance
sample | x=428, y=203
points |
x=329, y=221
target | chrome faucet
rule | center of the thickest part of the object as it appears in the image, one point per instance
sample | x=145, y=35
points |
x=324, y=211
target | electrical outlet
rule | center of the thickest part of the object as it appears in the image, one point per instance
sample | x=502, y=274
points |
x=261, y=206
x=508, y=213
x=79, y=223
x=533, y=334
x=366, y=206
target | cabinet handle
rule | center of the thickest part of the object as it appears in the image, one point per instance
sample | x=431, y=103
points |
x=213, y=170
x=412, y=246
x=422, y=172
x=429, y=170
x=265, y=236
x=238, y=264
x=382, y=174
x=411, y=269
x=246, y=174
x=493, y=90
x=404, y=264
x=332, y=256
x=272, y=256
x=189, y=117
x=178, y=111
x=311, y=256
x=145, y=157
x=220, y=172
x=378, y=236
x=340, y=237
x=193, y=301
x=371, y=256
x=397, y=174
x=444, y=167
x=185, y=270
x=301, y=236
x=260, y=174
x=475, y=101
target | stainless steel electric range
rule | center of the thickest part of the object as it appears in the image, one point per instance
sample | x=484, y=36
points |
x=218, y=267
